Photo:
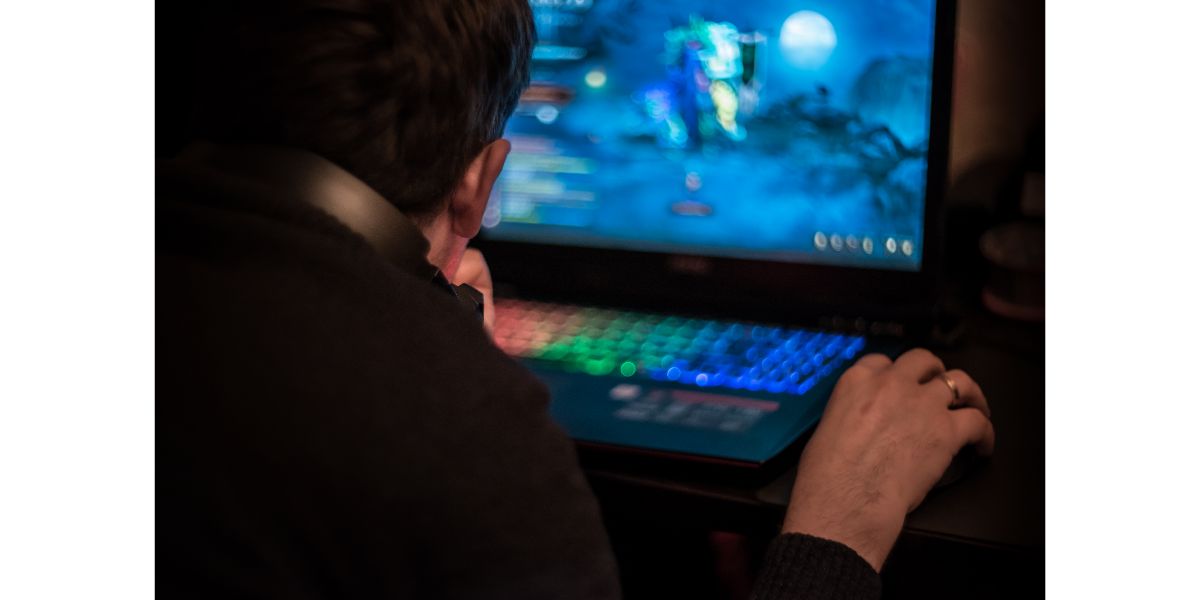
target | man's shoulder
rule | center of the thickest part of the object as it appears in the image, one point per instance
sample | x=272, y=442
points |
x=245, y=278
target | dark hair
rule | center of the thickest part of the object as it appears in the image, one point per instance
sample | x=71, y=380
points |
x=401, y=93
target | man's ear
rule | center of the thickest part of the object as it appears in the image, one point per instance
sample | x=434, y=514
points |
x=471, y=196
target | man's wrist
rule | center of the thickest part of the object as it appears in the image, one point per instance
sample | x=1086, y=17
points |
x=870, y=535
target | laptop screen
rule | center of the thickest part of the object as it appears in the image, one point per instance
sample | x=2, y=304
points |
x=780, y=130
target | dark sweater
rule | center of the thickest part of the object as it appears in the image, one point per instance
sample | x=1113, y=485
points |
x=330, y=426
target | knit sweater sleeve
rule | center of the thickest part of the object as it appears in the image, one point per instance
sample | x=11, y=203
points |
x=812, y=568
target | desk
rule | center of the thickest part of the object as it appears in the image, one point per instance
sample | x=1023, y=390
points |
x=985, y=532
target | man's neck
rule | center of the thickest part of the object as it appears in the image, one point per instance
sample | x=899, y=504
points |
x=445, y=248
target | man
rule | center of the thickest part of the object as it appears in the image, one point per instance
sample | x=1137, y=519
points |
x=334, y=423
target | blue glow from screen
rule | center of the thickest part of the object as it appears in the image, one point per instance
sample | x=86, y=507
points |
x=770, y=129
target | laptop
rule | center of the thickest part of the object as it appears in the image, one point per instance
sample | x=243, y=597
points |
x=713, y=208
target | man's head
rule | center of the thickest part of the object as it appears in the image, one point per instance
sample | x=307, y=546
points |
x=411, y=96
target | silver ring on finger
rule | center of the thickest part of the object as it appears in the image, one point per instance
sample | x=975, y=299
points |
x=953, y=388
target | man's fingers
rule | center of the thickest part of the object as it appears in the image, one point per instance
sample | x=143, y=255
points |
x=875, y=362
x=919, y=365
x=473, y=270
x=972, y=427
x=969, y=393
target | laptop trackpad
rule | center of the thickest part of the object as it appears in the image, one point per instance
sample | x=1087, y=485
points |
x=666, y=417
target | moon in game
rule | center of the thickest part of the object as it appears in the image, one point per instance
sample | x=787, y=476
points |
x=807, y=39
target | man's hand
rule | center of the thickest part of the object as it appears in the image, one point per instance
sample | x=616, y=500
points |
x=473, y=271
x=886, y=437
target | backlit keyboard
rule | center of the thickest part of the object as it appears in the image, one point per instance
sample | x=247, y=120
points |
x=698, y=352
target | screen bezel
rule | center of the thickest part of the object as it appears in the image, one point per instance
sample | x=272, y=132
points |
x=753, y=288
